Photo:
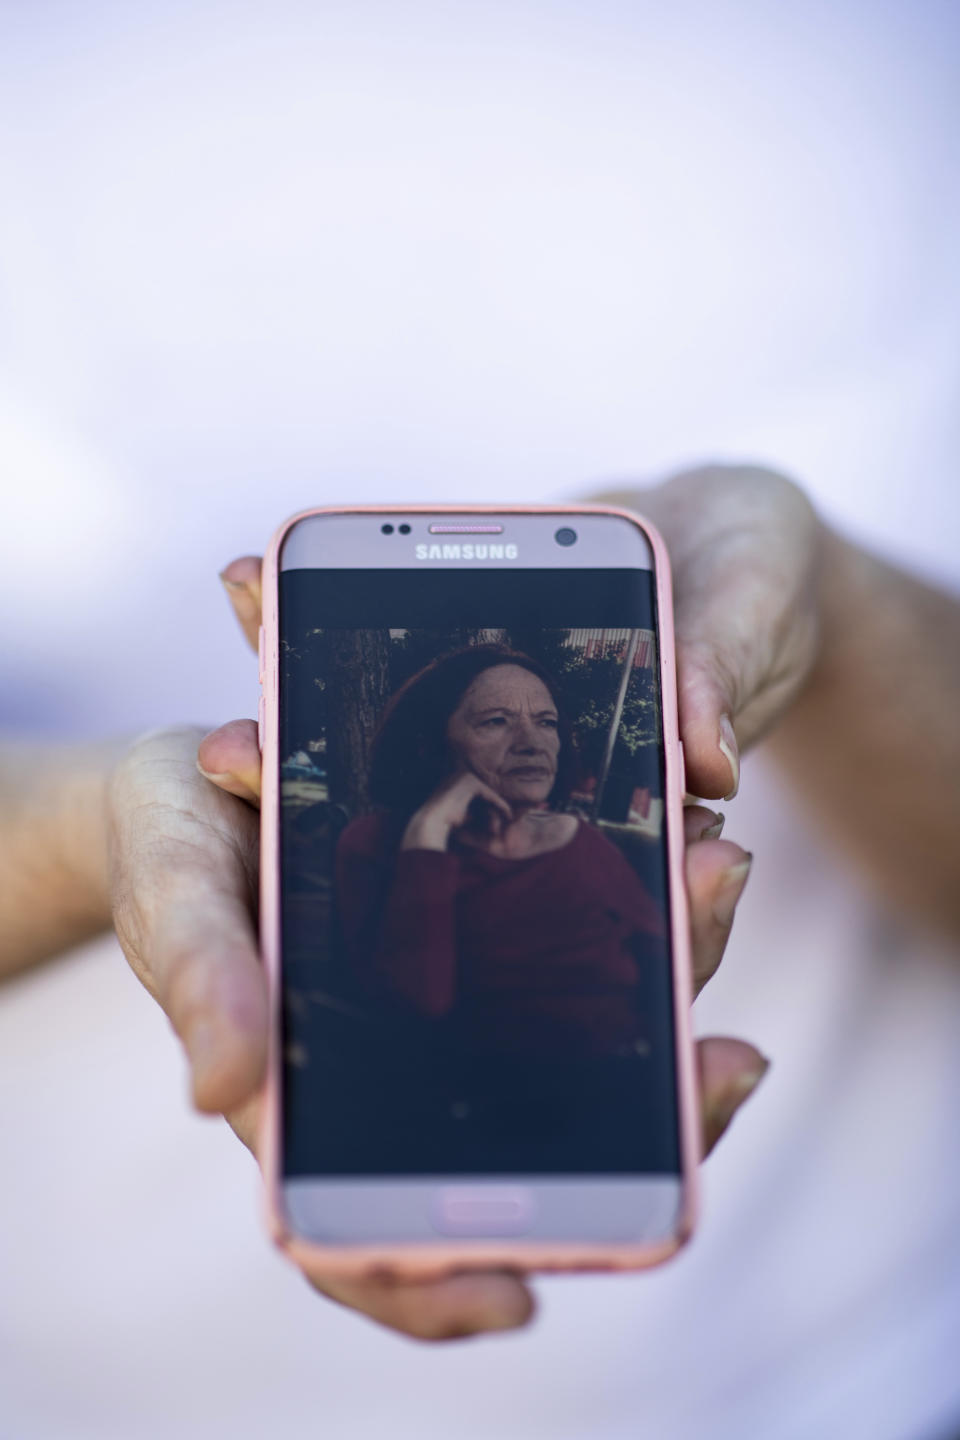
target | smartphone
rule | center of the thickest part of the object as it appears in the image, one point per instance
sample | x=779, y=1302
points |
x=472, y=904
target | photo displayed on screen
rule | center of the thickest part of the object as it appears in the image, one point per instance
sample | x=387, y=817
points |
x=475, y=929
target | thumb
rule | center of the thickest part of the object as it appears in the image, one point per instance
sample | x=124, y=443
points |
x=203, y=956
x=183, y=864
x=711, y=750
x=706, y=710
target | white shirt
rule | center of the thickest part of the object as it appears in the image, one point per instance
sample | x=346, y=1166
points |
x=256, y=260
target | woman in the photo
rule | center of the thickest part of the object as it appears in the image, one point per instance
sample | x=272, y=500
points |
x=470, y=894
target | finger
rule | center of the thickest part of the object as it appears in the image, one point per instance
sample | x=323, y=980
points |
x=699, y=823
x=501, y=818
x=706, y=724
x=183, y=864
x=449, y=1309
x=741, y=541
x=490, y=794
x=464, y=1305
x=202, y=954
x=241, y=580
x=246, y=1122
x=706, y=679
x=717, y=872
x=730, y=1071
x=230, y=757
x=485, y=817
x=210, y=984
x=745, y=620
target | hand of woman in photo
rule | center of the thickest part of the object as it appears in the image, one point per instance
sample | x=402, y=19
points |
x=450, y=808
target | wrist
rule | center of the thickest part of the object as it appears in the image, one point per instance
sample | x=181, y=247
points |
x=837, y=576
x=424, y=833
x=54, y=890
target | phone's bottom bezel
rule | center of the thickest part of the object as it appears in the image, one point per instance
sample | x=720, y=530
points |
x=395, y=1226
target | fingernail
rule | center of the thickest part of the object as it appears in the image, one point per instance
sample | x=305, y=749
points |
x=243, y=602
x=728, y=748
x=712, y=832
x=728, y=1103
x=729, y=891
x=504, y=1314
x=217, y=776
x=503, y=1320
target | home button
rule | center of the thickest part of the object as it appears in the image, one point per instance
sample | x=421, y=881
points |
x=481, y=1211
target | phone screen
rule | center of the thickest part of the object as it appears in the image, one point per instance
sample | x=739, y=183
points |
x=476, y=968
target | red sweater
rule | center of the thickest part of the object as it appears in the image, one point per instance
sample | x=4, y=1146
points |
x=539, y=953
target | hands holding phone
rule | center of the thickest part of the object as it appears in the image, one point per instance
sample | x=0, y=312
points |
x=744, y=545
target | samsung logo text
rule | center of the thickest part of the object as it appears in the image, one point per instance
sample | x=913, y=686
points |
x=466, y=552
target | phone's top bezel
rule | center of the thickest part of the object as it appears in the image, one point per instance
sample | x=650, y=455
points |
x=481, y=540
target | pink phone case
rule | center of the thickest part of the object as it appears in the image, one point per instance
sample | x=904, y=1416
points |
x=428, y=1260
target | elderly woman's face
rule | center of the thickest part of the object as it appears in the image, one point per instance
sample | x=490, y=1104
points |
x=505, y=731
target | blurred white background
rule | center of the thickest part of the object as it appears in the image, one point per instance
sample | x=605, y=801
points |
x=254, y=257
